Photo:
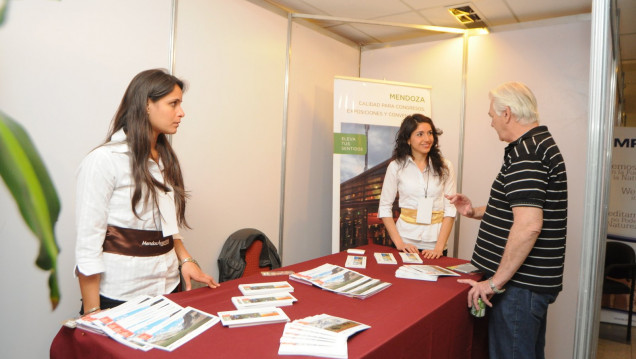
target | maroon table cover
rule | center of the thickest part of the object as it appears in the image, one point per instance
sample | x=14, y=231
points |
x=409, y=319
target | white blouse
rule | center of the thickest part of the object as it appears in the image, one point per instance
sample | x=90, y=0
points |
x=412, y=184
x=104, y=190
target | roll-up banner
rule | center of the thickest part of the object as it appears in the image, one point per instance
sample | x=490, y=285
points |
x=367, y=116
x=621, y=216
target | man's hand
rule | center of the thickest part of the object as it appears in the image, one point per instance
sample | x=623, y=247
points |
x=462, y=203
x=479, y=290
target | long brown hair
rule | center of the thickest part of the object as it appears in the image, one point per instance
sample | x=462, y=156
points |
x=402, y=148
x=132, y=116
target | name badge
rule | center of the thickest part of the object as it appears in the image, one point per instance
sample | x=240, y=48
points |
x=424, y=210
x=168, y=213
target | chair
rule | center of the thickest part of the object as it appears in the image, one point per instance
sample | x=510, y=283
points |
x=246, y=252
x=620, y=275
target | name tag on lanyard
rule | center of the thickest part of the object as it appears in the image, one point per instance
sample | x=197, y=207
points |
x=424, y=210
x=168, y=213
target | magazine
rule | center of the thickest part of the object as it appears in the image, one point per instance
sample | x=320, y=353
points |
x=464, y=268
x=385, y=258
x=254, y=316
x=264, y=300
x=356, y=262
x=264, y=288
x=411, y=257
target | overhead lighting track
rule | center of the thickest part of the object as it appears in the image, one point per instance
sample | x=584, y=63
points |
x=452, y=30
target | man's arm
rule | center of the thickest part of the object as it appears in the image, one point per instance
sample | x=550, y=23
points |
x=524, y=232
x=526, y=226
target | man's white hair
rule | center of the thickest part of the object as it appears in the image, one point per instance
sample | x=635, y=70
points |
x=519, y=98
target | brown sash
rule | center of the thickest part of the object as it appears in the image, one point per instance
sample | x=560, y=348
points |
x=136, y=242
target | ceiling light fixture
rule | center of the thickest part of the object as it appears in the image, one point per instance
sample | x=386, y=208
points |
x=467, y=16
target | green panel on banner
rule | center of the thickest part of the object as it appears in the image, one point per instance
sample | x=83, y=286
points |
x=349, y=144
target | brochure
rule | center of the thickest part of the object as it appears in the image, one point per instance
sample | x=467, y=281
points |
x=355, y=251
x=272, y=273
x=264, y=288
x=264, y=300
x=411, y=257
x=356, y=262
x=423, y=272
x=176, y=330
x=340, y=280
x=464, y=268
x=149, y=322
x=385, y=258
x=254, y=316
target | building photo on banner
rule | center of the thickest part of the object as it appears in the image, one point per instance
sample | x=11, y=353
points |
x=621, y=217
x=367, y=116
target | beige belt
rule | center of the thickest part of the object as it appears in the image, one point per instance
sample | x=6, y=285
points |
x=409, y=215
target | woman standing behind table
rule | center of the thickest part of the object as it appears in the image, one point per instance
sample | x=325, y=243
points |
x=131, y=202
x=422, y=177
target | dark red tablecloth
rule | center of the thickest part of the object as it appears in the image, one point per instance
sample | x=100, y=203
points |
x=410, y=319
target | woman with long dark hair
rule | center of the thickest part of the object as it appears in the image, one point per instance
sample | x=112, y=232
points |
x=421, y=177
x=131, y=202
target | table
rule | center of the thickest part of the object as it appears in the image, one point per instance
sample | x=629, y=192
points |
x=409, y=319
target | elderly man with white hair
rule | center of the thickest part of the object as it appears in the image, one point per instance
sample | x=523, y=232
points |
x=521, y=242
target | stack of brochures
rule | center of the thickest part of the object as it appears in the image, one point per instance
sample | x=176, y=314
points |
x=281, y=299
x=320, y=335
x=149, y=322
x=253, y=316
x=423, y=272
x=340, y=280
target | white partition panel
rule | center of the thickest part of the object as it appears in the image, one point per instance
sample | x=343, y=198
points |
x=232, y=53
x=315, y=60
x=64, y=66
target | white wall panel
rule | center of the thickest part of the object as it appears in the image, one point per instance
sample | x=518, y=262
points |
x=63, y=69
x=232, y=53
x=315, y=60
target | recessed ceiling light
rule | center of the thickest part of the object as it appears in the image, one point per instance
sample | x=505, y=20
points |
x=467, y=16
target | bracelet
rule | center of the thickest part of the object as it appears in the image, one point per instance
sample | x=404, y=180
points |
x=189, y=259
x=494, y=289
x=92, y=310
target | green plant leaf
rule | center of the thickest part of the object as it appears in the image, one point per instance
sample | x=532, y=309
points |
x=4, y=4
x=28, y=181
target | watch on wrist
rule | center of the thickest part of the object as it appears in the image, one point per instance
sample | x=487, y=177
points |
x=189, y=259
x=494, y=288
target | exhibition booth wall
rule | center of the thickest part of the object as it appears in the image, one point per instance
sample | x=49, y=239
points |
x=66, y=64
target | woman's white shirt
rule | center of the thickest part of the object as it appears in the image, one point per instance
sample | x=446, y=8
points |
x=412, y=184
x=104, y=191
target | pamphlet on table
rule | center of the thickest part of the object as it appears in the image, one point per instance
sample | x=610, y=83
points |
x=149, y=322
x=340, y=280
